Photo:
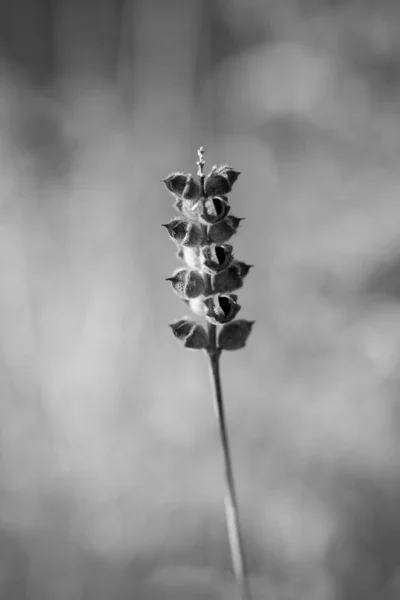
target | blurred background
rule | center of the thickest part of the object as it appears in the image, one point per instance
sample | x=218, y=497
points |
x=110, y=465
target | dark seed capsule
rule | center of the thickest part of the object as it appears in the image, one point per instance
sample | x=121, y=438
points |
x=227, y=281
x=193, y=335
x=180, y=184
x=220, y=180
x=233, y=336
x=243, y=268
x=182, y=327
x=221, y=308
x=187, y=283
x=216, y=257
x=222, y=231
x=197, y=338
x=184, y=233
x=213, y=210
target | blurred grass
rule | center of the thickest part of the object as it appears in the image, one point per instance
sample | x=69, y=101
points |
x=110, y=467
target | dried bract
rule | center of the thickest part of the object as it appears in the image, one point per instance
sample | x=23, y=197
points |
x=221, y=308
x=184, y=233
x=187, y=283
x=216, y=257
x=220, y=180
x=233, y=336
x=193, y=335
x=213, y=210
x=180, y=184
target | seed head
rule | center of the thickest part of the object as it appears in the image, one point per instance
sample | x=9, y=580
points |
x=233, y=336
x=187, y=283
x=210, y=274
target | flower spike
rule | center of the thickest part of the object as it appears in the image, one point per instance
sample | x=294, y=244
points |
x=206, y=284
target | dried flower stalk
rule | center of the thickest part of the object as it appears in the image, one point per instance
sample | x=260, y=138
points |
x=205, y=284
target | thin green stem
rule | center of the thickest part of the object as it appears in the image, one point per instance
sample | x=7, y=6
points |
x=231, y=504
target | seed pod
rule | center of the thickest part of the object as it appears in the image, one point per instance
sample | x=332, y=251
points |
x=222, y=231
x=243, y=268
x=232, y=278
x=213, y=210
x=216, y=257
x=220, y=180
x=221, y=308
x=184, y=233
x=193, y=335
x=233, y=336
x=187, y=283
x=180, y=184
x=227, y=281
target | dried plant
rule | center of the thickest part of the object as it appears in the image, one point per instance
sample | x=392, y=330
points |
x=206, y=284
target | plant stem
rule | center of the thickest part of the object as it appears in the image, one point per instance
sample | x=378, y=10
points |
x=231, y=505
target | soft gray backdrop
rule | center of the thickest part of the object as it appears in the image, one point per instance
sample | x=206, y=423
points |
x=110, y=468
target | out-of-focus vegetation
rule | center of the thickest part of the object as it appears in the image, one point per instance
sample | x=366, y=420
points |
x=110, y=467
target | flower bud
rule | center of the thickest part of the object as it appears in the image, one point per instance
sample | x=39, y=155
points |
x=233, y=336
x=213, y=210
x=220, y=180
x=221, y=308
x=193, y=335
x=216, y=257
x=222, y=231
x=184, y=233
x=187, y=283
x=180, y=184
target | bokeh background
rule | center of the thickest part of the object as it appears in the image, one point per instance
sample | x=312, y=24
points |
x=110, y=466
